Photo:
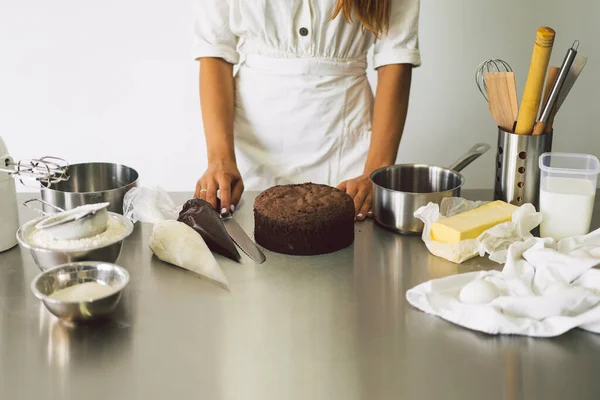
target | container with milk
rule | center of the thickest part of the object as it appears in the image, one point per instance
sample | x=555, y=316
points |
x=567, y=192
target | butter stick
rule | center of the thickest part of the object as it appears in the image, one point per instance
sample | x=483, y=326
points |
x=471, y=224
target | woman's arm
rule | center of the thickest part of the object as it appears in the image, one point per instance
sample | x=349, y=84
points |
x=389, y=116
x=217, y=105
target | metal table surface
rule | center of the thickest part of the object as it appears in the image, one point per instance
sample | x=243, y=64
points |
x=327, y=327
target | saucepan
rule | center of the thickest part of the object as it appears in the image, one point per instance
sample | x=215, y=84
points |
x=400, y=190
x=92, y=183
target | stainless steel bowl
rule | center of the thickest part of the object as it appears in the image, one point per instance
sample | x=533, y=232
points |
x=91, y=183
x=400, y=190
x=64, y=276
x=49, y=258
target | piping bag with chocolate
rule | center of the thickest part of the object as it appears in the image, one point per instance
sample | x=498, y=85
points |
x=204, y=219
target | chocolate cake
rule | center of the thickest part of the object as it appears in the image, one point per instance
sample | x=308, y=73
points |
x=303, y=219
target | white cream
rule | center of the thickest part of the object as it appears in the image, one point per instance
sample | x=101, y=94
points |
x=87, y=291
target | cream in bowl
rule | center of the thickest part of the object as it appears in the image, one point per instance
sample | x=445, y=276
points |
x=81, y=291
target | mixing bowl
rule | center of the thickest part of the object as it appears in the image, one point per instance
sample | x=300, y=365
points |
x=91, y=183
x=49, y=258
x=64, y=276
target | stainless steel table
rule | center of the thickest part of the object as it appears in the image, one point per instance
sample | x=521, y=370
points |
x=328, y=327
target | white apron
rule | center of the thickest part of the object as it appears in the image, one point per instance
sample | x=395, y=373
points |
x=303, y=103
x=301, y=120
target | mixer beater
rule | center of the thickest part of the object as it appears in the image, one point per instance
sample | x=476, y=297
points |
x=46, y=170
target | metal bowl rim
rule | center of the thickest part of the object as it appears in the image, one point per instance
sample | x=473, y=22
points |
x=396, y=166
x=48, y=299
x=25, y=244
x=134, y=182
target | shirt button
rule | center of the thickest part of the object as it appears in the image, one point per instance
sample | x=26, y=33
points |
x=303, y=31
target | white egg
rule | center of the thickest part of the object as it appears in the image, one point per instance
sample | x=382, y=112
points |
x=478, y=292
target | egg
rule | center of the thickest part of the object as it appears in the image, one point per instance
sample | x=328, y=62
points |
x=478, y=292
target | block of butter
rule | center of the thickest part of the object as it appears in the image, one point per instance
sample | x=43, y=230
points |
x=471, y=224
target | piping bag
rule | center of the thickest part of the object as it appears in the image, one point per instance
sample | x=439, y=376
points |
x=204, y=219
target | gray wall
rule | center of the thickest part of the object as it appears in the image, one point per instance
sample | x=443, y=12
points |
x=114, y=81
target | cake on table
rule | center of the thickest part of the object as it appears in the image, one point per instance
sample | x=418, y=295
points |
x=306, y=219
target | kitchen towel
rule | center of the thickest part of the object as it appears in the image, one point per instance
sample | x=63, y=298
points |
x=545, y=289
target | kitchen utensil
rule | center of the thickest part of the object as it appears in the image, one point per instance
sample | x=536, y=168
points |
x=550, y=79
x=64, y=276
x=530, y=102
x=489, y=66
x=92, y=183
x=9, y=220
x=46, y=170
x=517, y=179
x=556, y=88
x=400, y=190
x=502, y=98
x=81, y=222
x=572, y=76
x=242, y=240
x=567, y=193
x=47, y=258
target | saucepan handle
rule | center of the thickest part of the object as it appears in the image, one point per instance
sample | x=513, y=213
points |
x=473, y=154
x=26, y=204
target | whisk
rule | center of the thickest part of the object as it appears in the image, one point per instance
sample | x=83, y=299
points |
x=489, y=66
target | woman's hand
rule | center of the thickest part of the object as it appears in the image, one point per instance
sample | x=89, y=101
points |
x=227, y=180
x=361, y=191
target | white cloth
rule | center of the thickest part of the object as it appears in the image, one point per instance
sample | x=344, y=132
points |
x=545, y=289
x=303, y=104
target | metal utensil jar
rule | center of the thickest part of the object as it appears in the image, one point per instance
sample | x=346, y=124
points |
x=517, y=179
x=92, y=183
x=400, y=190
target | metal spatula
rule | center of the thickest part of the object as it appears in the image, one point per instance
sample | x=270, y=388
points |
x=574, y=72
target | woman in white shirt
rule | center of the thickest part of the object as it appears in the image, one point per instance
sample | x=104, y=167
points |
x=299, y=107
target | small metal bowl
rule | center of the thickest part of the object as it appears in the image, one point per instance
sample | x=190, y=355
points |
x=64, y=276
x=49, y=258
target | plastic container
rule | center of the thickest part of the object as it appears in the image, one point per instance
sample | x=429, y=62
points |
x=567, y=193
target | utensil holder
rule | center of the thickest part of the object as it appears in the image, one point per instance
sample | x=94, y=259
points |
x=517, y=169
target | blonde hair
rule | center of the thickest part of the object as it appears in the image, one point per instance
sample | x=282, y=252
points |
x=374, y=15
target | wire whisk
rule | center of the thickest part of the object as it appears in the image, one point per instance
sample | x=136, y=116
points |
x=495, y=65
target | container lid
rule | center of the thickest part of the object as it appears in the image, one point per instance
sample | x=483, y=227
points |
x=569, y=163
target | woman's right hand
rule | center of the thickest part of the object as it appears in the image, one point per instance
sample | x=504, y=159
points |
x=226, y=178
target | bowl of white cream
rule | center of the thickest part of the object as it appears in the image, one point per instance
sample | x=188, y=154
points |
x=81, y=291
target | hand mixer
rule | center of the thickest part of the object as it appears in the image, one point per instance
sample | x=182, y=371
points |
x=46, y=170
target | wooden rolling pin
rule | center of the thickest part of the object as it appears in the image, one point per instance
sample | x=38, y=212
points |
x=530, y=103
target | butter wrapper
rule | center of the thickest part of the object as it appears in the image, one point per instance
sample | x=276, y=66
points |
x=494, y=241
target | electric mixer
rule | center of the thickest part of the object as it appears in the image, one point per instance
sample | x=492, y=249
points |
x=46, y=170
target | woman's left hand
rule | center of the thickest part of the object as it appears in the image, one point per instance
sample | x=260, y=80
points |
x=361, y=191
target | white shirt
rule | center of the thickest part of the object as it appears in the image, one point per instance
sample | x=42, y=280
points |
x=303, y=104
